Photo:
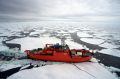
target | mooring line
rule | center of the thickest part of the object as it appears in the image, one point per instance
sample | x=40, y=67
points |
x=83, y=70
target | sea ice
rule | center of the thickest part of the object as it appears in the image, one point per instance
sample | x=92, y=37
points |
x=85, y=70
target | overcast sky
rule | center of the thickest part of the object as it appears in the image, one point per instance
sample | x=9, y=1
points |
x=36, y=9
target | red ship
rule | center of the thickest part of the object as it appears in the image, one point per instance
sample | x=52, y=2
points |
x=60, y=53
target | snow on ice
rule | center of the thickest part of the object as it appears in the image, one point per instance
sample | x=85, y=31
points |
x=32, y=43
x=85, y=70
x=82, y=34
x=92, y=40
x=113, y=52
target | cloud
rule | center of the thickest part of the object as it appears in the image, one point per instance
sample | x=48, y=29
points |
x=58, y=8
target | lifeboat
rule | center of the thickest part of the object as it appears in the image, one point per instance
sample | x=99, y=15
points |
x=59, y=53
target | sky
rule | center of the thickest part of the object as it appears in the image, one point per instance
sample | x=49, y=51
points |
x=62, y=9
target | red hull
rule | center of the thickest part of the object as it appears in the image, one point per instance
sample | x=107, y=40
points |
x=58, y=57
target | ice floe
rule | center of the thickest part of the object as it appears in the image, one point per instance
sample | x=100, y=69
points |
x=113, y=52
x=92, y=40
x=82, y=34
x=85, y=70
x=113, y=69
x=108, y=45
